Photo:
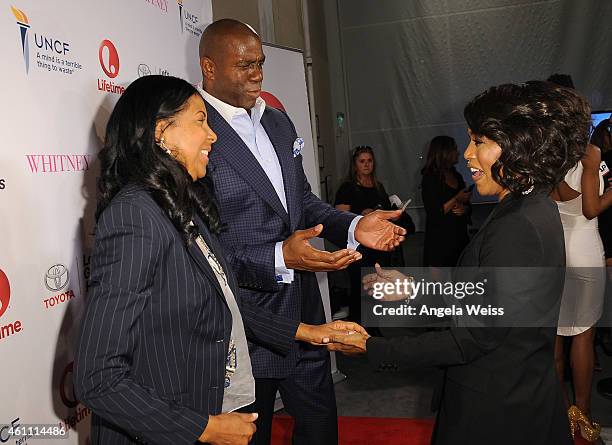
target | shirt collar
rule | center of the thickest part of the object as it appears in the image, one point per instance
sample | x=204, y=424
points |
x=229, y=112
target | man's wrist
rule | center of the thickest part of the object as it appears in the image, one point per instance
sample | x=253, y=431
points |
x=282, y=273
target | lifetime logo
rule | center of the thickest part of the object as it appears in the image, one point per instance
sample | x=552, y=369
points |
x=109, y=58
x=5, y=297
x=109, y=61
x=5, y=293
x=66, y=391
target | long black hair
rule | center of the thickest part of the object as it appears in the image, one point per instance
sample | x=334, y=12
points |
x=542, y=129
x=440, y=156
x=132, y=155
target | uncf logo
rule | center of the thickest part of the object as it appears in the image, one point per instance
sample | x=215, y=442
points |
x=5, y=292
x=24, y=26
x=109, y=58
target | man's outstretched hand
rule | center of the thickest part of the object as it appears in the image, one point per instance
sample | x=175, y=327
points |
x=299, y=254
x=376, y=231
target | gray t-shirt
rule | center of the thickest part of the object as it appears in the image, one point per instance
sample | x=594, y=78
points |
x=239, y=382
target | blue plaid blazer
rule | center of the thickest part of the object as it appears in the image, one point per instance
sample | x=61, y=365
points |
x=256, y=220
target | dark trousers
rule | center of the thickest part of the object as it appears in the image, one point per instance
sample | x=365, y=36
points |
x=308, y=396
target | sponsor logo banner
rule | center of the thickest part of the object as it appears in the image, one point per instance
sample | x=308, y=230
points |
x=53, y=55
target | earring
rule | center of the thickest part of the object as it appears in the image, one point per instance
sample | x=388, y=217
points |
x=530, y=189
x=163, y=146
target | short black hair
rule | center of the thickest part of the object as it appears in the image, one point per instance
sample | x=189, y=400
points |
x=217, y=30
x=542, y=129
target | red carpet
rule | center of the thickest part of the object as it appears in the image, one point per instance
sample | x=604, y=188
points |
x=373, y=431
x=366, y=431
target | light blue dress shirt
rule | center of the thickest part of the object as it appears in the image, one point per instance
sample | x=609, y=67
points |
x=254, y=136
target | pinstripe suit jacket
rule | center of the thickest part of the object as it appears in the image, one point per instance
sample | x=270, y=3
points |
x=256, y=220
x=151, y=359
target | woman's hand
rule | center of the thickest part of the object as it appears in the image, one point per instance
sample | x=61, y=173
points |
x=463, y=196
x=375, y=283
x=459, y=210
x=352, y=344
x=229, y=429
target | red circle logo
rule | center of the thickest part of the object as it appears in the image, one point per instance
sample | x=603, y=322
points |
x=5, y=292
x=272, y=100
x=66, y=389
x=109, y=58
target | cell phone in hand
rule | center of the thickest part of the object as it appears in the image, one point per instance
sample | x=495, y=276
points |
x=408, y=201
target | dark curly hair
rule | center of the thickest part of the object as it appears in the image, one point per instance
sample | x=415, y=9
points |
x=131, y=155
x=542, y=129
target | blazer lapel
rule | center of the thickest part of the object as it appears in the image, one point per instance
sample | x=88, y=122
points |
x=287, y=163
x=198, y=256
x=234, y=150
x=217, y=250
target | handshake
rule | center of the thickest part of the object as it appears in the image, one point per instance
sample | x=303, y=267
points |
x=342, y=336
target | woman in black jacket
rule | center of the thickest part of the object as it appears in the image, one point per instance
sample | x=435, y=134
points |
x=500, y=383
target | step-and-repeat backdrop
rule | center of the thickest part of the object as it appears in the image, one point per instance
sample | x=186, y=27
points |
x=65, y=64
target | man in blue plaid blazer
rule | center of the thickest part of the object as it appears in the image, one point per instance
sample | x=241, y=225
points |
x=270, y=214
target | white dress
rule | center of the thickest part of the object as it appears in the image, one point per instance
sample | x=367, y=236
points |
x=583, y=294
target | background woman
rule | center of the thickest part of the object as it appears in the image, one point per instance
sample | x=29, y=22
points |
x=362, y=193
x=602, y=138
x=446, y=202
x=163, y=356
x=581, y=199
x=500, y=384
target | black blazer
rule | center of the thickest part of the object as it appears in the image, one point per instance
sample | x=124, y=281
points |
x=500, y=383
x=151, y=358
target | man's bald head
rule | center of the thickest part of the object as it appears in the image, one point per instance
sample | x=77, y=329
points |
x=218, y=35
x=231, y=59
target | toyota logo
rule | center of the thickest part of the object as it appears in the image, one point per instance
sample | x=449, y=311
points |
x=109, y=58
x=56, y=278
x=144, y=70
x=5, y=292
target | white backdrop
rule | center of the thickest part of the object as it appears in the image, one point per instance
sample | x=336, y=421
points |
x=65, y=64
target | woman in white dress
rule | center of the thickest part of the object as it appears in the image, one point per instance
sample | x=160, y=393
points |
x=580, y=198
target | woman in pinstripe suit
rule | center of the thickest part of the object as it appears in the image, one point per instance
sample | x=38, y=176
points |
x=163, y=356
